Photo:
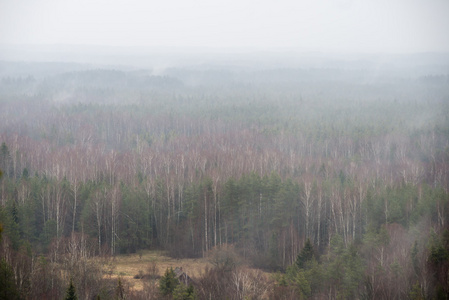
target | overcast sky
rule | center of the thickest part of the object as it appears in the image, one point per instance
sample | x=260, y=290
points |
x=319, y=25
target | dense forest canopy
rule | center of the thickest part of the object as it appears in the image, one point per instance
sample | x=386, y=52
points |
x=336, y=176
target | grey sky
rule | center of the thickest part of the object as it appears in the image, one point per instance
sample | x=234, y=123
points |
x=318, y=25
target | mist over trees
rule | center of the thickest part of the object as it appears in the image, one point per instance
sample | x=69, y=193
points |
x=335, y=177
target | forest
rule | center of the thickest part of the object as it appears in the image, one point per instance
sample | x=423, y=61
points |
x=332, y=180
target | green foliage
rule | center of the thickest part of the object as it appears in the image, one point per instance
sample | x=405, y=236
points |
x=183, y=292
x=416, y=292
x=306, y=275
x=25, y=174
x=286, y=204
x=168, y=282
x=14, y=213
x=71, y=293
x=9, y=218
x=307, y=254
x=376, y=237
x=8, y=287
x=135, y=230
x=439, y=250
x=393, y=205
x=337, y=246
x=316, y=275
x=48, y=233
x=414, y=256
x=281, y=279
x=439, y=262
x=308, y=280
x=344, y=269
x=273, y=261
x=302, y=284
x=5, y=159
x=432, y=202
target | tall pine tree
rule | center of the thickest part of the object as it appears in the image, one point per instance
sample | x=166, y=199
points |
x=168, y=282
x=71, y=293
x=307, y=253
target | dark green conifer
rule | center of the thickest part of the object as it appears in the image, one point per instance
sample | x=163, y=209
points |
x=8, y=287
x=168, y=282
x=71, y=293
x=306, y=254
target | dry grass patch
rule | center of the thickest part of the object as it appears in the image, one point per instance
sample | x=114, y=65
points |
x=131, y=267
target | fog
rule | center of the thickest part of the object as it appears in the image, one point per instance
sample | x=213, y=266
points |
x=297, y=150
x=343, y=33
x=401, y=26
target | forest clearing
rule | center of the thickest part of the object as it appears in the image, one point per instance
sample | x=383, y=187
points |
x=135, y=269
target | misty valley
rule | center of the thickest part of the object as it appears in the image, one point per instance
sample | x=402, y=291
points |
x=326, y=180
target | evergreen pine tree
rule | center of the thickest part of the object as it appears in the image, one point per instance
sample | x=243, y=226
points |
x=8, y=287
x=5, y=159
x=71, y=293
x=25, y=173
x=306, y=254
x=168, y=282
x=191, y=294
x=183, y=292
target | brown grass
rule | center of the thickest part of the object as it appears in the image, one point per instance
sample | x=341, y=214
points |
x=128, y=266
